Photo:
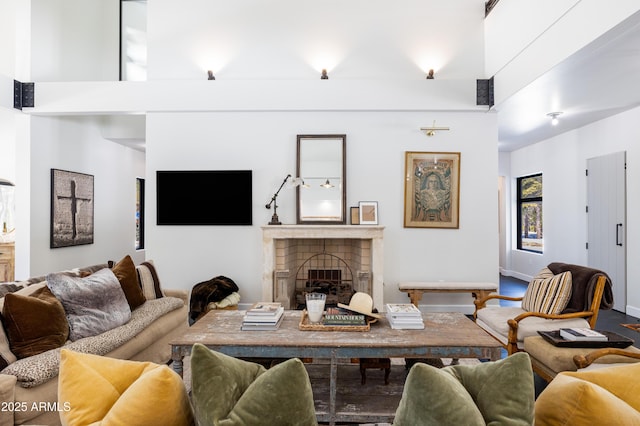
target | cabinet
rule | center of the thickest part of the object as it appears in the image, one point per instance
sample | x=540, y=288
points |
x=7, y=262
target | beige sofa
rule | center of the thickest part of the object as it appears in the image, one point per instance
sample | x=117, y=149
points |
x=29, y=386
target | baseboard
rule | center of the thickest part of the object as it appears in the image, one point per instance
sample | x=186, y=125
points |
x=633, y=311
x=514, y=274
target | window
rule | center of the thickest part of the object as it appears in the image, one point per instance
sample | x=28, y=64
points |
x=133, y=40
x=530, y=236
x=139, y=213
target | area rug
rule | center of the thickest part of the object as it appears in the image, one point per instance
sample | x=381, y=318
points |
x=635, y=327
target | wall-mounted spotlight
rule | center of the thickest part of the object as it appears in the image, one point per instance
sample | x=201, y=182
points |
x=430, y=75
x=324, y=75
x=554, y=118
x=210, y=75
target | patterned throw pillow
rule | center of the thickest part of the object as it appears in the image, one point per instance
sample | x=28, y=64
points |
x=149, y=280
x=548, y=293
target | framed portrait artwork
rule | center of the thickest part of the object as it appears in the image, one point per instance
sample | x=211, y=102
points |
x=71, y=208
x=368, y=212
x=432, y=190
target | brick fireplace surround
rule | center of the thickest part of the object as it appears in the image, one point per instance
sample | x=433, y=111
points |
x=286, y=247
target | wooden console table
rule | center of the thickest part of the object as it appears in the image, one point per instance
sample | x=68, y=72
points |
x=446, y=335
x=414, y=289
x=7, y=262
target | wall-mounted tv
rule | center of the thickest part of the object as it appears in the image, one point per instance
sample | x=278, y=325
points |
x=204, y=197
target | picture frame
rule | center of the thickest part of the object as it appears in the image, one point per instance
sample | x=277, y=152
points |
x=355, y=215
x=368, y=212
x=432, y=190
x=72, y=206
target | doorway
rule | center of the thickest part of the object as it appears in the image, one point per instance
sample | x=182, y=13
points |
x=606, y=221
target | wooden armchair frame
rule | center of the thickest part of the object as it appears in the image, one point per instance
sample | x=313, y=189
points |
x=583, y=361
x=512, y=339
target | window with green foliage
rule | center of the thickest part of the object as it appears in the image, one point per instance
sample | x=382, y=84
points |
x=530, y=233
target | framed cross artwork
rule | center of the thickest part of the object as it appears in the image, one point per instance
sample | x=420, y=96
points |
x=432, y=190
x=71, y=208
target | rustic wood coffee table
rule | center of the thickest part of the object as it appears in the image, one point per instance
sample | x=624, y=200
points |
x=446, y=335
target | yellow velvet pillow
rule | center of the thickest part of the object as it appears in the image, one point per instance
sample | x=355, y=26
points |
x=608, y=395
x=105, y=391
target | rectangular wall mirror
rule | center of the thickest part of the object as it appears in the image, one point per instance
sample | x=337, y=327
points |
x=321, y=167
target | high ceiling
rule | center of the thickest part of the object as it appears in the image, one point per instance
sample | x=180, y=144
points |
x=596, y=82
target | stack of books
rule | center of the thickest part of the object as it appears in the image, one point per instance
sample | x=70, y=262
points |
x=263, y=316
x=339, y=316
x=404, y=316
x=582, y=335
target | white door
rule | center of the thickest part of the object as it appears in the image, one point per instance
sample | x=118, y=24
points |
x=606, y=221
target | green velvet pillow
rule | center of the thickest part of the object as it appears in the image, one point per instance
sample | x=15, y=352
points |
x=492, y=393
x=233, y=392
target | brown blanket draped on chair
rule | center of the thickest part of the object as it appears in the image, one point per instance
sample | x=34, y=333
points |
x=213, y=290
x=583, y=282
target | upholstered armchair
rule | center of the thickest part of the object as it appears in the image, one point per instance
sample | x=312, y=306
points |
x=561, y=295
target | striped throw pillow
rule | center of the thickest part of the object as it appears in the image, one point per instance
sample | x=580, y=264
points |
x=149, y=280
x=548, y=293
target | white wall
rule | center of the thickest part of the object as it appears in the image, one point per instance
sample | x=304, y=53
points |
x=292, y=39
x=376, y=143
x=563, y=160
x=76, y=144
x=75, y=40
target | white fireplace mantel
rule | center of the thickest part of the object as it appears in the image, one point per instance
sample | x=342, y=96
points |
x=272, y=233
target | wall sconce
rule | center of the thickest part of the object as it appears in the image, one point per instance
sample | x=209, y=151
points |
x=210, y=75
x=554, y=118
x=324, y=75
x=431, y=131
x=430, y=74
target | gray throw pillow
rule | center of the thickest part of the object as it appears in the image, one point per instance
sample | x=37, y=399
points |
x=93, y=304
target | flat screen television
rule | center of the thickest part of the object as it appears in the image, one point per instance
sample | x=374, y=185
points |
x=204, y=197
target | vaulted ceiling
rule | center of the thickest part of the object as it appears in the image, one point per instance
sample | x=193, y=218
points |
x=596, y=82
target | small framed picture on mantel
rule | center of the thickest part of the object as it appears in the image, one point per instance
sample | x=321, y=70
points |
x=368, y=212
x=355, y=216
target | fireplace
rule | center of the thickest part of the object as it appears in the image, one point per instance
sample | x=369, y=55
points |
x=337, y=259
x=324, y=273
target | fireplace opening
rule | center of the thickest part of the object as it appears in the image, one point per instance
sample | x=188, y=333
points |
x=324, y=273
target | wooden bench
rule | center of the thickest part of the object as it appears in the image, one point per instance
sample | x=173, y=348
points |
x=415, y=289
